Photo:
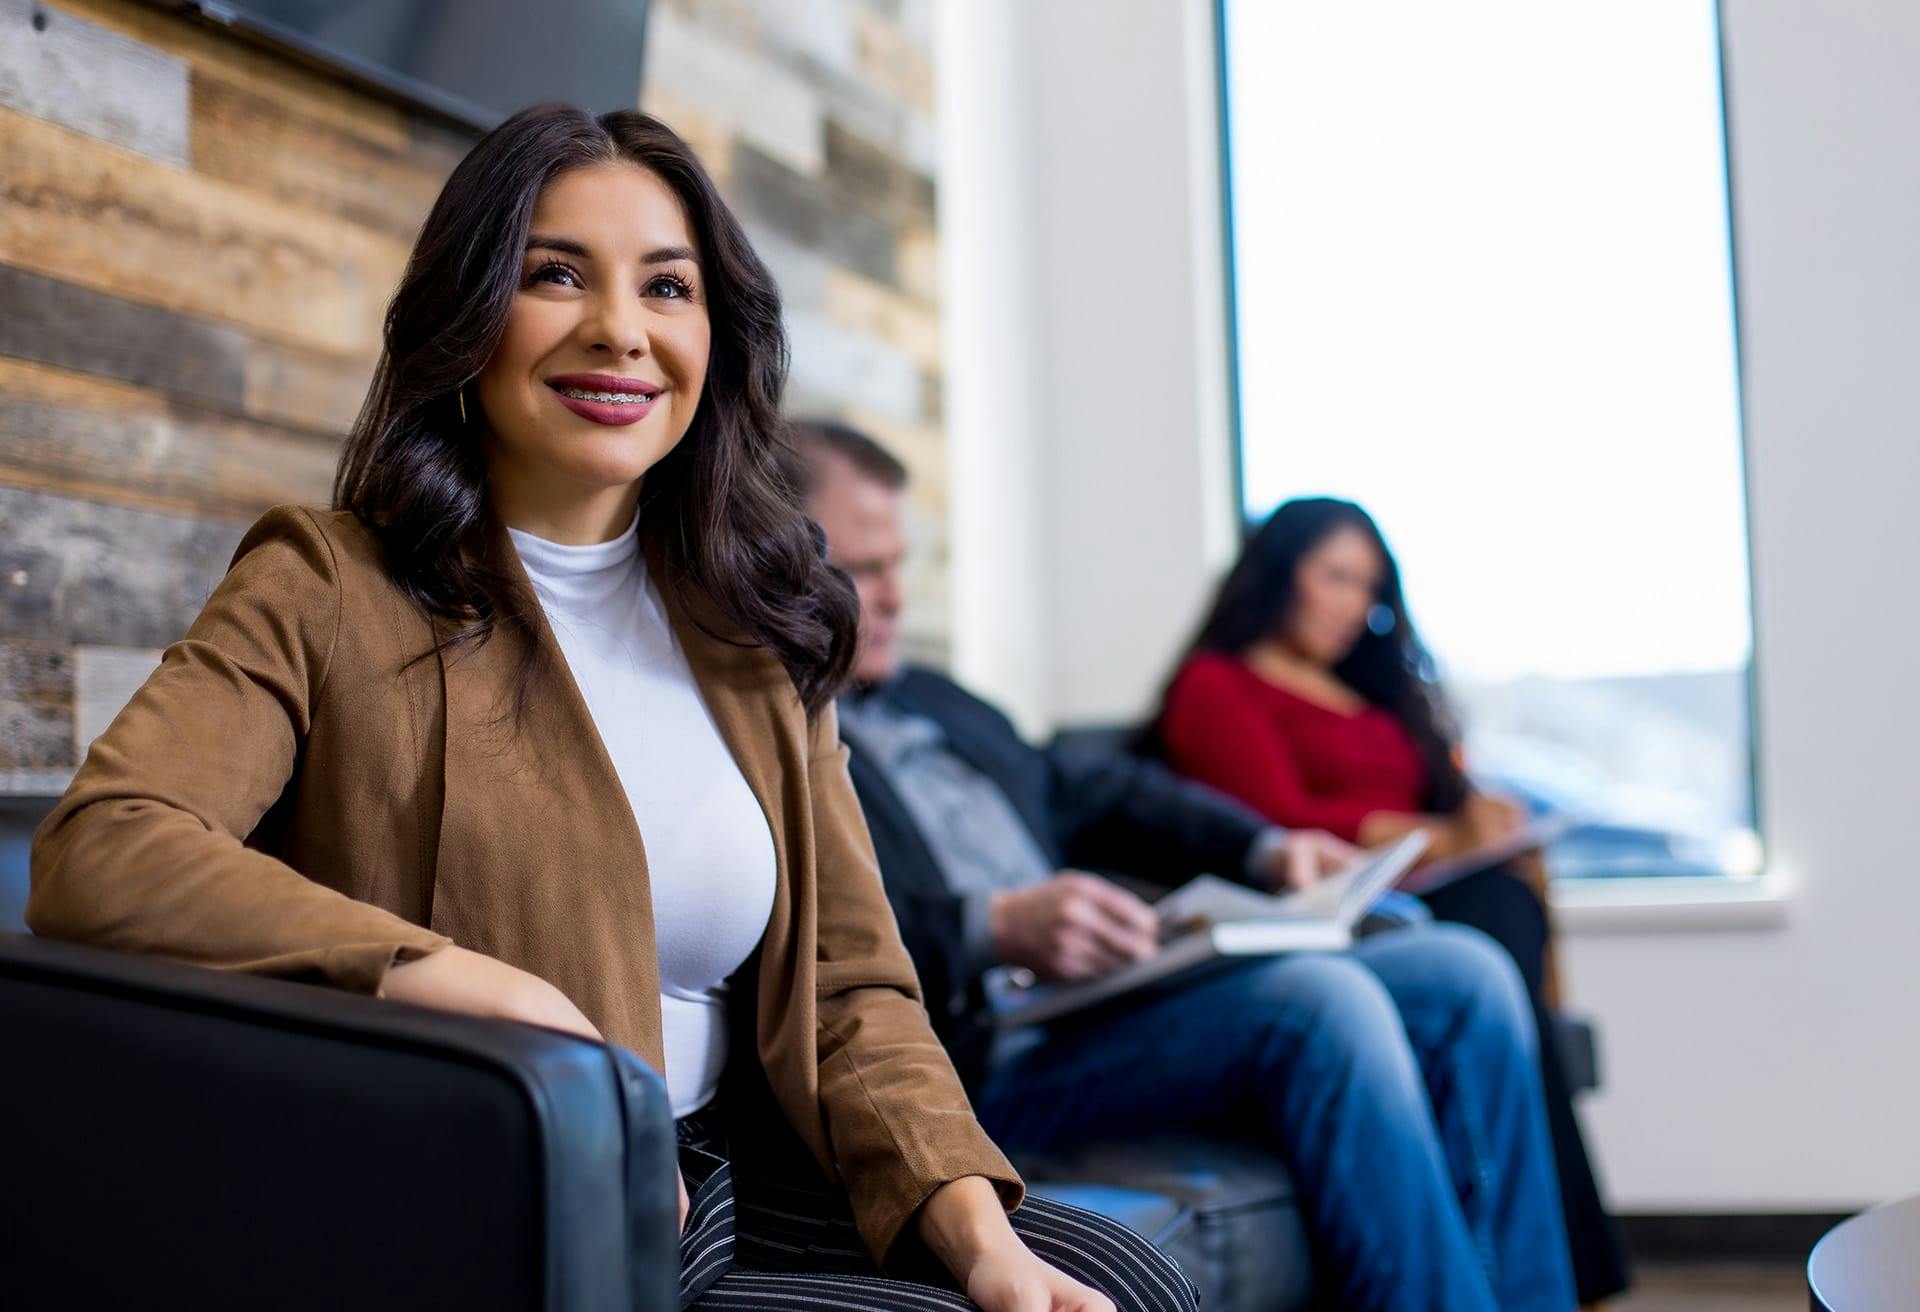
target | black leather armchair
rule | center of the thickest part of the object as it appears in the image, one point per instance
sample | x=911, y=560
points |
x=178, y=1136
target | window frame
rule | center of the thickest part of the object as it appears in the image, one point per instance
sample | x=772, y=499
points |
x=1597, y=904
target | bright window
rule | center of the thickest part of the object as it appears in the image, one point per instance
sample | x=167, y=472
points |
x=1483, y=286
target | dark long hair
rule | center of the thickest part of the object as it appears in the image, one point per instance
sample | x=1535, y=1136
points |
x=1389, y=666
x=718, y=507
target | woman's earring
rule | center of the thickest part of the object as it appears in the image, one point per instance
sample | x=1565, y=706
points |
x=462, y=395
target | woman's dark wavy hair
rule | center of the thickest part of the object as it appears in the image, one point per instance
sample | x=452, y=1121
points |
x=719, y=509
x=1389, y=665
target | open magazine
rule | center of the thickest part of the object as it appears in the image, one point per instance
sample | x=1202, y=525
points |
x=1532, y=836
x=1208, y=919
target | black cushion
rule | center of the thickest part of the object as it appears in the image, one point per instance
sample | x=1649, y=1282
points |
x=1227, y=1211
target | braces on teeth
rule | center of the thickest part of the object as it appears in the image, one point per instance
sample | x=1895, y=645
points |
x=615, y=398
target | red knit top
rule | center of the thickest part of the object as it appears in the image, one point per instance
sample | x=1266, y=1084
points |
x=1299, y=763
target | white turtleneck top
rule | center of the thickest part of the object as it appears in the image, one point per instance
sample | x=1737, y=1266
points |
x=710, y=854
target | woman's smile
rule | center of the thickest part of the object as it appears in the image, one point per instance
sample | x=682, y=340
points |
x=605, y=398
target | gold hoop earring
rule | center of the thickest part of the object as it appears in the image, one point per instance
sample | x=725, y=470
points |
x=462, y=396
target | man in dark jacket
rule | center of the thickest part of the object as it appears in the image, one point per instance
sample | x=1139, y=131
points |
x=984, y=842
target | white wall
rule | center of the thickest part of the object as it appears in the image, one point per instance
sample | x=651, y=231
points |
x=995, y=352
x=1782, y=1069
x=1092, y=139
x=1747, y=1068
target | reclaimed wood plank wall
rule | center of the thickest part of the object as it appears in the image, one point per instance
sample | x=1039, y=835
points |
x=198, y=238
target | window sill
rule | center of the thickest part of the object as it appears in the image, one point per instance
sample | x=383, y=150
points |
x=1680, y=905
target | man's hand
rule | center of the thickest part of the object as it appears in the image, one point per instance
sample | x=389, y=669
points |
x=1074, y=926
x=1307, y=857
x=680, y=1181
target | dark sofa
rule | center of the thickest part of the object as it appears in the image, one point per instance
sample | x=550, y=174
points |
x=163, y=1114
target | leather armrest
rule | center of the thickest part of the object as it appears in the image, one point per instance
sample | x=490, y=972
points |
x=177, y=1134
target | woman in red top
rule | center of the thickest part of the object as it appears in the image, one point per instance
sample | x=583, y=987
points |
x=1308, y=695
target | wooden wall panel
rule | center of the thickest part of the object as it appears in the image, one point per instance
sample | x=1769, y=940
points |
x=886, y=314
x=267, y=147
x=209, y=52
x=212, y=365
x=76, y=571
x=57, y=323
x=104, y=679
x=85, y=212
x=94, y=80
x=305, y=389
x=36, y=705
x=82, y=436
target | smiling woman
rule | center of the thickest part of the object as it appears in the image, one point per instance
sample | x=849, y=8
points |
x=569, y=596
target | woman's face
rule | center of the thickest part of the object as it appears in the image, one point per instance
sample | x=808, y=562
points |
x=1335, y=586
x=605, y=353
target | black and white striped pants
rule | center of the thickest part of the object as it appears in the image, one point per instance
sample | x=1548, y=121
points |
x=789, y=1245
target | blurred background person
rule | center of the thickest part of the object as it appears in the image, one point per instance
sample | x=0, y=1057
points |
x=1308, y=694
x=1308, y=1054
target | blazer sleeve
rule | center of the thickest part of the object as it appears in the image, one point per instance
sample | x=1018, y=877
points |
x=897, y=1117
x=146, y=851
x=1216, y=733
x=933, y=929
x=1136, y=817
x=931, y=917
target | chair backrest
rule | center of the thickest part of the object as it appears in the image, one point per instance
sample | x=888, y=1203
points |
x=182, y=1135
x=1105, y=739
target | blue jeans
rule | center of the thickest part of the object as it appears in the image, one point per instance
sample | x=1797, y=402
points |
x=1399, y=1079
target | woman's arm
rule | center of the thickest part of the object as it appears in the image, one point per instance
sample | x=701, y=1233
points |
x=145, y=851
x=1216, y=732
x=454, y=979
x=1481, y=819
x=965, y=1227
x=900, y=1123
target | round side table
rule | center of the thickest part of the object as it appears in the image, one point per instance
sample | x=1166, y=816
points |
x=1869, y=1263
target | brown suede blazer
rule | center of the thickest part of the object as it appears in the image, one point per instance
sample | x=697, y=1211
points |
x=292, y=794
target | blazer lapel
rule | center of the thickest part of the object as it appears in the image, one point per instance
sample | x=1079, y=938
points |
x=753, y=706
x=540, y=861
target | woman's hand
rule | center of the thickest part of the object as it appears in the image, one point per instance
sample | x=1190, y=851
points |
x=454, y=979
x=967, y=1229
x=1012, y=1279
x=1490, y=818
x=1447, y=836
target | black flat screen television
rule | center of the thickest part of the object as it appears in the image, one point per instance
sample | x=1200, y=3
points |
x=472, y=61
